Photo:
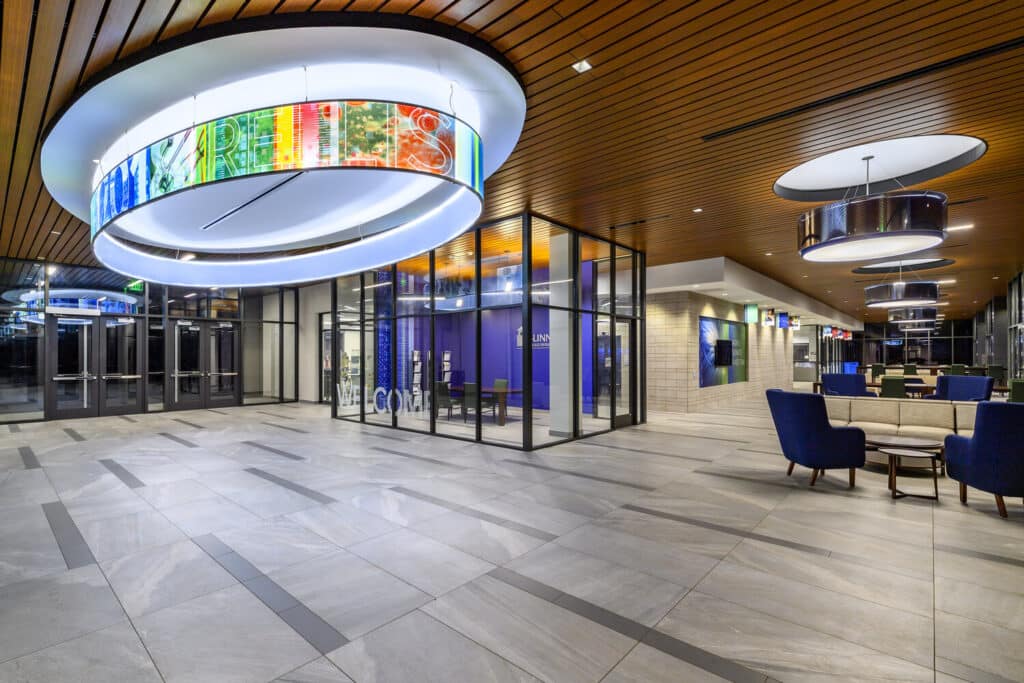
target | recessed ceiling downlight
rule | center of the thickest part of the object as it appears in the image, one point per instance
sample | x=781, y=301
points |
x=287, y=153
x=901, y=295
x=875, y=226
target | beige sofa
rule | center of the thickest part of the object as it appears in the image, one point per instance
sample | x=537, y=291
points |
x=904, y=417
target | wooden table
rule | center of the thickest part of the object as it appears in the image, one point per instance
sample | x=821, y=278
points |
x=894, y=455
x=500, y=399
x=910, y=387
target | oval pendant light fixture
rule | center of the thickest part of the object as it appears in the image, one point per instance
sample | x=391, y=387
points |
x=901, y=295
x=891, y=222
x=876, y=226
x=909, y=316
x=285, y=149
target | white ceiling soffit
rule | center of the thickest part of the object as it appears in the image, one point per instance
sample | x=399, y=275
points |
x=713, y=276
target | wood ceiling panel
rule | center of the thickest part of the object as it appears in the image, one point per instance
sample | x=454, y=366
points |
x=625, y=142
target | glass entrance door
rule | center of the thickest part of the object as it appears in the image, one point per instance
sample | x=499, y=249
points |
x=222, y=361
x=204, y=364
x=625, y=396
x=72, y=360
x=187, y=368
x=120, y=362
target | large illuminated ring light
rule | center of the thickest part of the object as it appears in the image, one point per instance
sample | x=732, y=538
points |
x=286, y=150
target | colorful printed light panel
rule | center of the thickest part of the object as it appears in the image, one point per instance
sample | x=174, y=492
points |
x=294, y=137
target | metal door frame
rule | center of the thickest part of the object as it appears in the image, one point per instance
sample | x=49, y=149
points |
x=91, y=379
x=141, y=332
x=205, y=400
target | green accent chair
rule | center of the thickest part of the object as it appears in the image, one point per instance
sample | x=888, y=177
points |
x=957, y=369
x=909, y=369
x=443, y=399
x=470, y=391
x=1016, y=391
x=877, y=370
x=997, y=372
x=893, y=387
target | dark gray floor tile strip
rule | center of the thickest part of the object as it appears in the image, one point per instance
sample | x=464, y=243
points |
x=72, y=546
x=585, y=442
x=212, y=545
x=317, y=632
x=967, y=673
x=753, y=535
x=75, y=436
x=127, y=419
x=487, y=517
x=979, y=554
x=688, y=435
x=290, y=429
x=219, y=412
x=28, y=457
x=720, y=666
x=193, y=425
x=281, y=417
x=183, y=442
x=298, y=488
x=592, y=477
x=14, y=429
x=416, y=457
x=275, y=451
x=376, y=434
x=129, y=479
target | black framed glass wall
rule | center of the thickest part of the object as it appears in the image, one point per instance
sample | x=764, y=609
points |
x=952, y=341
x=522, y=332
x=80, y=341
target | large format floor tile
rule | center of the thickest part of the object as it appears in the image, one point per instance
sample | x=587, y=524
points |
x=46, y=611
x=456, y=561
x=420, y=648
x=224, y=636
x=349, y=593
x=430, y=565
x=110, y=654
x=546, y=641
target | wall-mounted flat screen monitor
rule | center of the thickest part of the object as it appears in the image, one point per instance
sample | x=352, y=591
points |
x=723, y=352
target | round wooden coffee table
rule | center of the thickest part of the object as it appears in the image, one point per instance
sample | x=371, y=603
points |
x=893, y=441
x=895, y=454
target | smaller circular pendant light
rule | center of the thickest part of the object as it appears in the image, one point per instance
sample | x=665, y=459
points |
x=875, y=226
x=901, y=295
x=910, y=316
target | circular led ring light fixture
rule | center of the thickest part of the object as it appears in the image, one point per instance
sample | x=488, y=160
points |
x=901, y=295
x=895, y=163
x=908, y=316
x=876, y=226
x=285, y=151
x=903, y=266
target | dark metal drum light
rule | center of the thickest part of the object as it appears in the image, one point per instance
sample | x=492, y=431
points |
x=901, y=295
x=910, y=316
x=874, y=226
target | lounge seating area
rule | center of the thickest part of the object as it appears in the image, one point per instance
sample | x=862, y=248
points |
x=978, y=443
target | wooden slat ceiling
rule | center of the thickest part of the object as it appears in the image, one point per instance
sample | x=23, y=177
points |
x=689, y=104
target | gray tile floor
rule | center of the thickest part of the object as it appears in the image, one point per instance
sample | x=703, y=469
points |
x=222, y=546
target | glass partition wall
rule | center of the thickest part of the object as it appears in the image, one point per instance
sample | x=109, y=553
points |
x=522, y=332
x=78, y=341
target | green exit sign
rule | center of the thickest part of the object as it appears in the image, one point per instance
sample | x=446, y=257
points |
x=135, y=286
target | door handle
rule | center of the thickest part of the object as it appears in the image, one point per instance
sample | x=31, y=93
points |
x=74, y=378
x=223, y=374
x=122, y=376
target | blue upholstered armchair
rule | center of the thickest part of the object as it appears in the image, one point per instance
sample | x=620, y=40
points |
x=962, y=388
x=809, y=439
x=993, y=458
x=835, y=384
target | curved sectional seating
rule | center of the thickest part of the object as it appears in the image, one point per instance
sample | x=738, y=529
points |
x=904, y=417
